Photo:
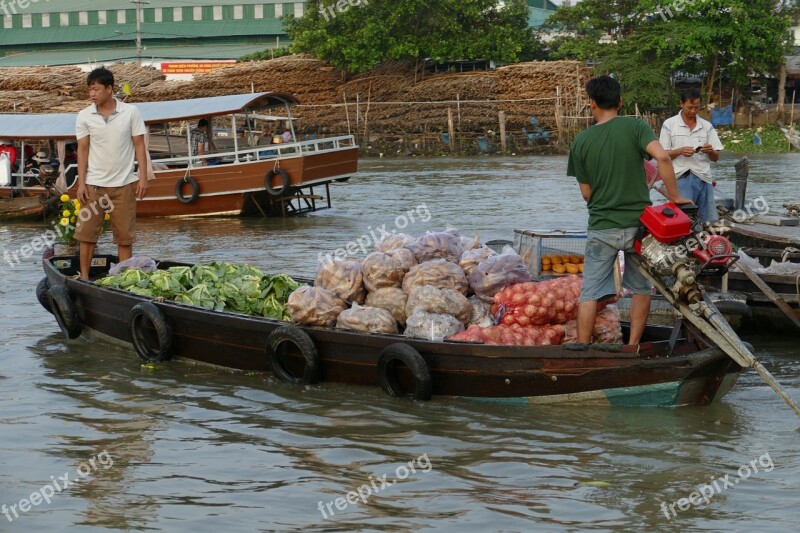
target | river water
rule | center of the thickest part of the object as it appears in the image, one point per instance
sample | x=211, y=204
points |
x=188, y=448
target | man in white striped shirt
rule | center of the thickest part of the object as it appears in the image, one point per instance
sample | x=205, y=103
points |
x=693, y=144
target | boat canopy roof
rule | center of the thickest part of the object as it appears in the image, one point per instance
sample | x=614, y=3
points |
x=59, y=126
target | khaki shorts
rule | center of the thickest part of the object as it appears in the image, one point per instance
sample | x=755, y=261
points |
x=120, y=203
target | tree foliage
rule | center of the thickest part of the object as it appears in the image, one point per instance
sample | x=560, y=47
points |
x=643, y=42
x=367, y=33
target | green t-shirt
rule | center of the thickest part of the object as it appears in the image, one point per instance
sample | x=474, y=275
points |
x=609, y=158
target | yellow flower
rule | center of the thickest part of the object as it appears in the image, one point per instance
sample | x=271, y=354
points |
x=66, y=213
x=107, y=217
x=64, y=221
x=73, y=219
x=77, y=204
x=64, y=198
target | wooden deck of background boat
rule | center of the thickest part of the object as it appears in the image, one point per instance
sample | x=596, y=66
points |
x=759, y=235
x=693, y=373
x=23, y=207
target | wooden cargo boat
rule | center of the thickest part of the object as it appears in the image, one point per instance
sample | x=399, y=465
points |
x=242, y=176
x=671, y=367
x=27, y=207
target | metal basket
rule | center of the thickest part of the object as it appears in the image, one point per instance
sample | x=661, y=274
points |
x=532, y=245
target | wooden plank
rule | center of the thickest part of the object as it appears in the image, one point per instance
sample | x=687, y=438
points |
x=776, y=220
x=777, y=300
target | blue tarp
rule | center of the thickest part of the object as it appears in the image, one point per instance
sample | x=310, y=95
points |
x=722, y=117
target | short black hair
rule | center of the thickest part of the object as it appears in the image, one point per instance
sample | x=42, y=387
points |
x=202, y=123
x=101, y=75
x=691, y=95
x=605, y=91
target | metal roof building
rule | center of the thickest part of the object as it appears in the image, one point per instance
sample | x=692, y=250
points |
x=63, y=32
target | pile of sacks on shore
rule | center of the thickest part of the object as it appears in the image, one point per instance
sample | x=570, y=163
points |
x=442, y=285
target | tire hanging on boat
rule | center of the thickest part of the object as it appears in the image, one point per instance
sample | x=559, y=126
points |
x=41, y=294
x=139, y=337
x=303, y=343
x=179, y=190
x=65, y=312
x=403, y=353
x=284, y=186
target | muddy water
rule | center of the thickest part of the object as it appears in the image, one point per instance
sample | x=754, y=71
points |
x=185, y=448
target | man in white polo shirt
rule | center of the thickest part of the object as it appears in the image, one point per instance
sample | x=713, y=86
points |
x=110, y=135
x=693, y=144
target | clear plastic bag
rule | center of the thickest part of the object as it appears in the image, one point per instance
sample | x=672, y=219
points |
x=344, y=277
x=393, y=299
x=314, y=306
x=367, y=319
x=439, y=273
x=498, y=272
x=383, y=270
x=435, y=300
x=432, y=326
x=145, y=264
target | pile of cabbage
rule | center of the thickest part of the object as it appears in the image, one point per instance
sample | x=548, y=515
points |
x=218, y=286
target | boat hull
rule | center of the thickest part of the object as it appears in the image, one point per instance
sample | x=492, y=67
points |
x=239, y=188
x=694, y=373
x=32, y=205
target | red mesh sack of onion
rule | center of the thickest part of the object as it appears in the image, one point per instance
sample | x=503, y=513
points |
x=537, y=303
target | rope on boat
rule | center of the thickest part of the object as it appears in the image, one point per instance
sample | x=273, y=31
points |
x=792, y=210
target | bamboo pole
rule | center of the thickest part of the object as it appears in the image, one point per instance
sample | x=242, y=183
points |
x=366, y=113
x=502, y=117
x=346, y=112
x=451, y=130
x=791, y=118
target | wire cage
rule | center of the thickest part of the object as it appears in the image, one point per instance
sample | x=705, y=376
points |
x=541, y=250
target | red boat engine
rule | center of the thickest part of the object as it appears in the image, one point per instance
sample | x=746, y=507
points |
x=670, y=242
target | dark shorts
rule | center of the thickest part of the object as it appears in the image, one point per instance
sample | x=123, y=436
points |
x=120, y=203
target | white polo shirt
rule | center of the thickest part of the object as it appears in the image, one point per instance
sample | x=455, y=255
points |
x=676, y=134
x=111, y=150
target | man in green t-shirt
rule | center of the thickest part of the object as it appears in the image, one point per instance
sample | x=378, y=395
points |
x=607, y=159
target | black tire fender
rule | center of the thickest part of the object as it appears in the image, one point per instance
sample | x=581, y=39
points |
x=41, y=294
x=303, y=342
x=179, y=190
x=65, y=312
x=410, y=357
x=284, y=186
x=136, y=325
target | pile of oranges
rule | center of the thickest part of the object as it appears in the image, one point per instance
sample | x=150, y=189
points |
x=562, y=264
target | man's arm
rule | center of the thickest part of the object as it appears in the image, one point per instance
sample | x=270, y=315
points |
x=141, y=158
x=586, y=191
x=714, y=145
x=666, y=172
x=83, y=166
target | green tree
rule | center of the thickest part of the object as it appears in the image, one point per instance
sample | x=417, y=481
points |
x=363, y=35
x=643, y=42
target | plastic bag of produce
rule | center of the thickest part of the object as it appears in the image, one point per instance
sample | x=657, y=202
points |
x=404, y=255
x=470, y=259
x=545, y=302
x=435, y=300
x=498, y=272
x=481, y=313
x=314, y=306
x=437, y=245
x=390, y=242
x=145, y=264
x=383, y=270
x=607, y=327
x=439, y=273
x=343, y=277
x=432, y=326
x=393, y=299
x=367, y=319
x=513, y=335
